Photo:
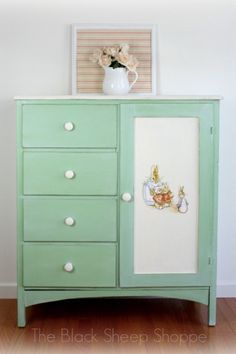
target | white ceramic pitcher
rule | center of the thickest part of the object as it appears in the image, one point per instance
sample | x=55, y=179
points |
x=116, y=81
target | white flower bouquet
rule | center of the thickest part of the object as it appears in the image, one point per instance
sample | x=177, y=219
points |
x=115, y=57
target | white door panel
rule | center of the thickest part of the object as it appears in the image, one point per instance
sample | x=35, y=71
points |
x=166, y=240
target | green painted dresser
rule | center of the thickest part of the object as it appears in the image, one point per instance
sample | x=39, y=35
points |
x=117, y=196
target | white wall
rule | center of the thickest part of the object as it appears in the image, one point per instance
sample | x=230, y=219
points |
x=196, y=55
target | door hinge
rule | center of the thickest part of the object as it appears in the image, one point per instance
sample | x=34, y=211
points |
x=209, y=260
x=211, y=130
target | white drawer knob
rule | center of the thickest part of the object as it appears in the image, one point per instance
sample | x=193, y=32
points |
x=68, y=267
x=126, y=197
x=69, y=126
x=69, y=174
x=69, y=221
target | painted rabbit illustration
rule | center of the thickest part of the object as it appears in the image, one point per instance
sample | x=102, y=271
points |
x=182, y=204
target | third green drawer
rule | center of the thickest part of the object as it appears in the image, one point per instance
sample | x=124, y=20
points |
x=70, y=219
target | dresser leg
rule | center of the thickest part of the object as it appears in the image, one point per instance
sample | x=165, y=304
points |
x=21, y=310
x=212, y=306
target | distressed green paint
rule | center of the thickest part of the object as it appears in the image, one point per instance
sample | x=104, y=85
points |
x=94, y=264
x=95, y=173
x=44, y=135
x=94, y=125
x=38, y=296
x=205, y=113
x=213, y=244
x=21, y=312
x=94, y=219
x=21, y=305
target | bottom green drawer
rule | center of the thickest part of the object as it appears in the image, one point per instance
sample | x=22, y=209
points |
x=69, y=265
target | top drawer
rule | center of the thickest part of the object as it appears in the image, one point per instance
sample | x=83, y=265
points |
x=90, y=126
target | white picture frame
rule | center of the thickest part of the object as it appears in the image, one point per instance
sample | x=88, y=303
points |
x=77, y=72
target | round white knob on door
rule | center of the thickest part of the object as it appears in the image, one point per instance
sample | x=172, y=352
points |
x=68, y=267
x=126, y=197
x=69, y=126
x=69, y=221
x=69, y=174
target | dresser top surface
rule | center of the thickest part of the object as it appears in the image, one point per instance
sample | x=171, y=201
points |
x=126, y=97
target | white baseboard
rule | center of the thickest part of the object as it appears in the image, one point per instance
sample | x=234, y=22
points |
x=8, y=290
x=226, y=290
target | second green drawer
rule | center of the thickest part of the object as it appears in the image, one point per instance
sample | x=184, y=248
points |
x=51, y=173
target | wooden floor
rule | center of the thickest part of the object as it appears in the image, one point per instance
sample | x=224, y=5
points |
x=118, y=326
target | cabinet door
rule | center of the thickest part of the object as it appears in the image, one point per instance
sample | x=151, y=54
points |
x=167, y=186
